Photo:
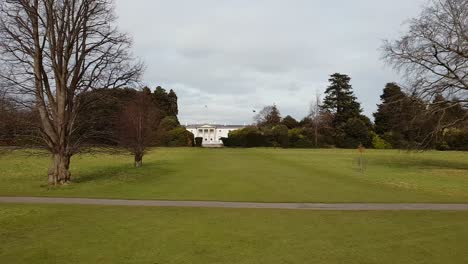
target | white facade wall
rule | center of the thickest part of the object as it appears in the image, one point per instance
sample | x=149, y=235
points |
x=212, y=134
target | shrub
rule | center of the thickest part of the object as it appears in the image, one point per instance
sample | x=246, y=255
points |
x=303, y=143
x=298, y=138
x=454, y=139
x=169, y=123
x=442, y=146
x=280, y=136
x=353, y=133
x=395, y=139
x=169, y=133
x=226, y=142
x=295, y=135
x=198, y=142
x=248, y=137
x=179, y=137
x=379, y=143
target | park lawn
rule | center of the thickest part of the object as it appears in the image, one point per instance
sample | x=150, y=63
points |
x=262, y=175
x=97, y=234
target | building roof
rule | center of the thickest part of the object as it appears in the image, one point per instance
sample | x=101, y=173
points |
x=213, y=126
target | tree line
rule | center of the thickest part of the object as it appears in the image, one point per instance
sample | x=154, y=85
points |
x=120, y=117
x=431, y=112
x=59, y=59
x=401, y=121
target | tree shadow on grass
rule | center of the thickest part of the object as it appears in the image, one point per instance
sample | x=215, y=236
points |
x=124, y=172
x=411, y=162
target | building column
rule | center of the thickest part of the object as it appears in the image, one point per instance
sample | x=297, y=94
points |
x=203, y=136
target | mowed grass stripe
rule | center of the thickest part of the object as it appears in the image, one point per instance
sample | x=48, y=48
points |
x=95, y=234
x=251, y=175
x=343, y=176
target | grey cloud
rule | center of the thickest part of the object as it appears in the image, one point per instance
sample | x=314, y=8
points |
x=236, y=56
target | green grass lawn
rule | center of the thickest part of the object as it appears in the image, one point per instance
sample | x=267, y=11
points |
x=267, y=175
x=93, y=234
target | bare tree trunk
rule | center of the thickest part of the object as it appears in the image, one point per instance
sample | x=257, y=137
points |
x=59, y=170
x=56, y=51
x=316, y=134
x=316, y=116
x=138, y=160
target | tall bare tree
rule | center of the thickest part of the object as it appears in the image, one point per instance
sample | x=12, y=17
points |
x=3, y=100
x=55, y=50
x=433, y=54
x=5, y=106
x=269, y=116
x=315, y=115
x=137, y=126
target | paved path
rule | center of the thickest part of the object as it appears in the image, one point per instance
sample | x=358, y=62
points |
x=207, y=204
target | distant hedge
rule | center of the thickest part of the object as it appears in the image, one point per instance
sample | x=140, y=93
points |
x=198, y=142
x=179, y=137
x=248, y=137
x=277, y=136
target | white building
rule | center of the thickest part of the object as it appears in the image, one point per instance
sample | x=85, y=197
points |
x=212, y=134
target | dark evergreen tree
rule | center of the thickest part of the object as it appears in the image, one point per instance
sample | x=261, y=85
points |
x=446, y=113
x=173, y=108
x=349, y=127
x=166, y=102
x=442, y=118
x=403, y=120
x=161, y=99
x=353, y=133
x=389, y=113
x=146, y=90
x=97, y=123
x=340, y=100
x=290, y=122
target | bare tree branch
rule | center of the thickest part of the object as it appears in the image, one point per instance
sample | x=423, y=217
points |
x=433, y=55
x=56, y=50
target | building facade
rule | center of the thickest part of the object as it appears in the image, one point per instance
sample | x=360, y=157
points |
x=212, y=134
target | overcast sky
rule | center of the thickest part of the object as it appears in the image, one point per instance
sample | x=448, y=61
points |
x=234, y=56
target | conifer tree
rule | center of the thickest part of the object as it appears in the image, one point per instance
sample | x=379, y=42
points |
x=172, y=97
x=389, y=113
x=340, y=100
